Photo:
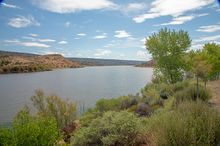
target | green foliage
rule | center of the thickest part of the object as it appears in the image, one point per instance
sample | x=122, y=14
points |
x=64, y=111
x=88, y=116
x=212, y=51
x=28, y=130
x=17, y=68
x=190, y=93
x=192, y=123
x=4, y=62
x=6, y=136
x=168, y=49
x=113, y=128
x=116, y=104
x=108, y=104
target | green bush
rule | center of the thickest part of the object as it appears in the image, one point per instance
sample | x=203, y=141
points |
x=192, y=123
x=117, y=104
x=112, y=104
x=113, y=128
x=189, y=93
x=63, y=111
x=27, y=130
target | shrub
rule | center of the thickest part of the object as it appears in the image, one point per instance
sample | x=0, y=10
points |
x=117, y=104
x=64, y=111
x=144, y=109
x=103, y=105
x=27, y=130
x=192, y=123
x=112, y=129
x=155, y=90
x=179, y=86
x=189, y=93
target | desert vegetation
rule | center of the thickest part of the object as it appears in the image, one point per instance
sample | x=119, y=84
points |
x=172, y=110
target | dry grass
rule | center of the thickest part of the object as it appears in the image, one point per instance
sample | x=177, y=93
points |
x=214, y=87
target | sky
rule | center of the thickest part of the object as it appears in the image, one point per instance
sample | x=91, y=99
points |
x=110, y=29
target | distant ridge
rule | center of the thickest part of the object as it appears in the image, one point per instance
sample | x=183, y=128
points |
x=3, y=53
x=105, y=62
x=82, y=61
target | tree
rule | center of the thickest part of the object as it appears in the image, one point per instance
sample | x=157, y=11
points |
x=168, y=49
x=212, y=51
x=201, y=68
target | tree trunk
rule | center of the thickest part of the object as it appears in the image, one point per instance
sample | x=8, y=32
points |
x=205, y=82
x=197, y=87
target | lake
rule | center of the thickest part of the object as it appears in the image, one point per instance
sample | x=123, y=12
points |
x=85, y=85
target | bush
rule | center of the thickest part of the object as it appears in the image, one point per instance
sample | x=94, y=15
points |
x=189, y=93
x=27, y=130
x=192, y=123
x=103, y=105
x=64, y=111
x=117, y=104
x=112, y=129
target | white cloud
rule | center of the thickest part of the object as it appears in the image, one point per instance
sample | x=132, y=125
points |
x=27, y=43
x=132, y=8
x=10, y=6
x=127, y=43
x=142, y=54
x=33, y=35
x=67, y=24
x=46, y=40
x=22, y=21
x=179, y=20
x=71, y=6
x=12, y=41
x=122, y=55
x=102, y=36
x=196, y=46
x=81, y=34
x=209, y=28
x=171, y=8
x=208, y=38
x=29, y=38
x=33, y=44
x=143, y=40
x=101, y=52
x=62, y=42
x=183, y=19
x=121, y=34
x=135, y=6
x=109, y=45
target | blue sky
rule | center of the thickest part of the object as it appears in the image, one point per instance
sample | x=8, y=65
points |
x=102, y=28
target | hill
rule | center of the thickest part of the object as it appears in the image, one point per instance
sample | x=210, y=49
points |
x=11, y=62
x=105, y=62
x=150, y=63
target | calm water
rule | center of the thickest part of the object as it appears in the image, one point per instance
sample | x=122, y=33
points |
x=83, y=84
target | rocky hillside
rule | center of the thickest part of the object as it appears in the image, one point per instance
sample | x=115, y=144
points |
x=150, y=63
x=12, y=63
x=56, y=61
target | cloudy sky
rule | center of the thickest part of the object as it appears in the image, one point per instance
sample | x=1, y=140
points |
x=102, y=28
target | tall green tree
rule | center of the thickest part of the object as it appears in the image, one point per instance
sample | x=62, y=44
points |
x=168, y=48
x=212, y=51
x=200, y=67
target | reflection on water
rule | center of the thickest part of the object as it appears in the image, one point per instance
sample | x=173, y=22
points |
x=85, y=85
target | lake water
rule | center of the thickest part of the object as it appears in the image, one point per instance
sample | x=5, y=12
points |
x=86, y=85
